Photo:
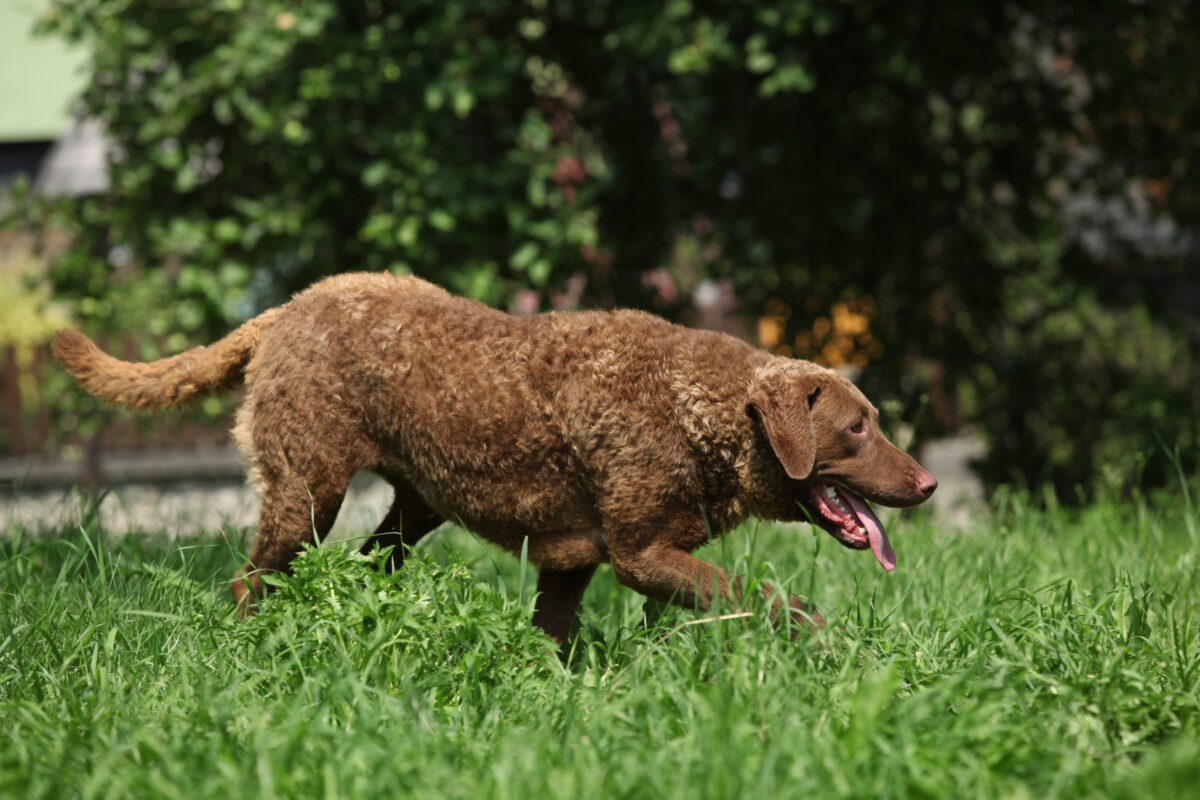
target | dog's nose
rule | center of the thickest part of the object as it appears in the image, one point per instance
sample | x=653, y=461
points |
x=926, y=484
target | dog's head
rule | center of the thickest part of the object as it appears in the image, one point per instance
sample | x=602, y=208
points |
x=826, y=436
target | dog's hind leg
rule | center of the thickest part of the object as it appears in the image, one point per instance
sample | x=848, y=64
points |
x=290, y=516
x=406, y=522
x=294, y=511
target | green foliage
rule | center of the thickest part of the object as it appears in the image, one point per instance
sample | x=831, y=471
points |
x=1038, y=653
x=433, y=626
x=31, y=317
x=806, y=151
x=295, y=140
x=1078, y=393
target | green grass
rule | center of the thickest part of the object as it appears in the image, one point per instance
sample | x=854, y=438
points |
x=1039, y=654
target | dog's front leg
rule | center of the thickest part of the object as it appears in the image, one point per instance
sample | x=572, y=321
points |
x=670, y=574
x=559, y=594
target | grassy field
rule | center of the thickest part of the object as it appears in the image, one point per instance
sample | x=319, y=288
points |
x=1038, y=654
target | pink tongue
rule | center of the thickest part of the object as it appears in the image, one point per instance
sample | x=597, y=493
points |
x=877, y=536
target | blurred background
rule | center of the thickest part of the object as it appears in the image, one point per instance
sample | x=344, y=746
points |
x=988, y=214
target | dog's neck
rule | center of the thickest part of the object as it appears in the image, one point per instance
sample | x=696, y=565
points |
x=742, y=476
x=769, y=493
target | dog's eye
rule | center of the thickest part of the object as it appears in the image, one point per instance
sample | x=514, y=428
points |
x=859, y=428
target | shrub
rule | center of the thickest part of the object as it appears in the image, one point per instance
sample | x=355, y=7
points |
x=708, y=161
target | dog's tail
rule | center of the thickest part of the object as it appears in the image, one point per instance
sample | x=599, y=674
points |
x=165, y=383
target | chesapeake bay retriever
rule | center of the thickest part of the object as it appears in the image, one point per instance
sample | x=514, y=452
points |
x=594, y=436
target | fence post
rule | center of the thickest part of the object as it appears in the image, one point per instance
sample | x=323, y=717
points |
x=10, y=397
x=90, y=478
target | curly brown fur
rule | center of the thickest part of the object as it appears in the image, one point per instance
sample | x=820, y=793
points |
x=594, y=436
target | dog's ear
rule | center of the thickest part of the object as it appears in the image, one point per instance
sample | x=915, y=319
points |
x=783, y=407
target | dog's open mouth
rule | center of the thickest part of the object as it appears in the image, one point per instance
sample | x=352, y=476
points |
x=851, y=521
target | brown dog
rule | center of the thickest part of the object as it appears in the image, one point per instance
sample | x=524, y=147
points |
x=593, y=436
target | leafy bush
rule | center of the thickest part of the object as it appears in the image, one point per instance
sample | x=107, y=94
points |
x=1072, y=391
x=718, y=163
